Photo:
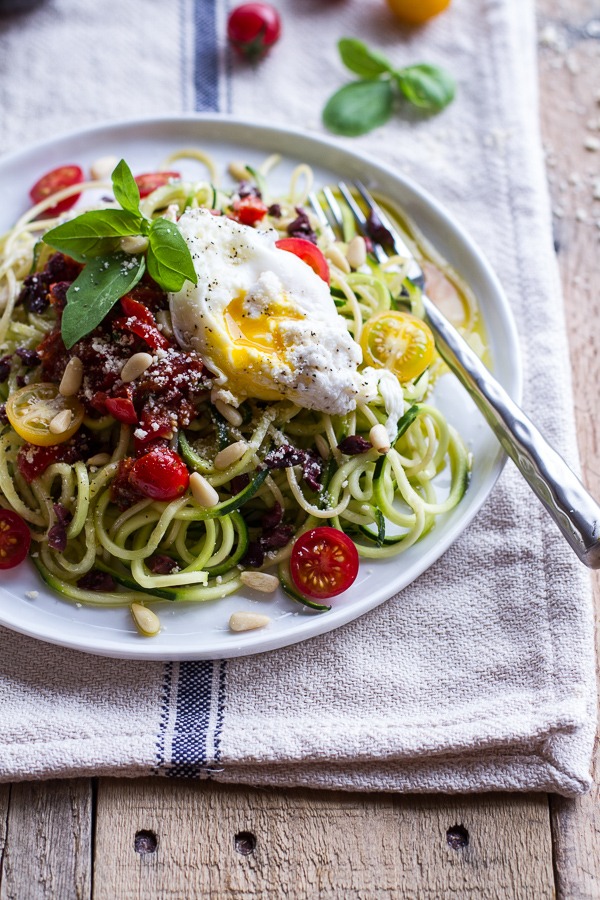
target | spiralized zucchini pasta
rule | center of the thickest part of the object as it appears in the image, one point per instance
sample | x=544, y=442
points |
x=202, y=391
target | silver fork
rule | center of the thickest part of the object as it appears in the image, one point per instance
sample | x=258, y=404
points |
x=573, y=509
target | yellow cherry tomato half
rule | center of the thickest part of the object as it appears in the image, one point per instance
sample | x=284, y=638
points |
x=42, y=416
x=415, y=12
x=398, y=341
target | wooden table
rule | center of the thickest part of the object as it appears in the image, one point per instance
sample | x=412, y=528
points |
x=158, y=838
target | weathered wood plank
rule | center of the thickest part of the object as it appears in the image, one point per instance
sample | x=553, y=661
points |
x=4, y=805
x=570, y=80
x=47, y=841
x=201, y=839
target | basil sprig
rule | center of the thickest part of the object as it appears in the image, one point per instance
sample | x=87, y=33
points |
x=96, y=290
x=362, y=105
x=127, y=193
x=95, y=233
x=94, y=238
x=169, y=259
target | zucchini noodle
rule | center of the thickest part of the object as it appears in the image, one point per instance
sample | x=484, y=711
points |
x=95, y=545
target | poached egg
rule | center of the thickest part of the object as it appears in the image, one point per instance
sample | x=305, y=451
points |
x=265, y=323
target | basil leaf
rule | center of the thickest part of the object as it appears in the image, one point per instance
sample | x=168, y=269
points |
x=361, y=60
x=425, y=86
x=126, y=190
x=359, y=107
x=93, y=233
x=170, y=262
x=95, y=291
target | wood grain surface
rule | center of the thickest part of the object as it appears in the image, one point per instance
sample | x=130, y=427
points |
x=570, y=113
x=155, y=838
x=48, y=840
x=206, y=840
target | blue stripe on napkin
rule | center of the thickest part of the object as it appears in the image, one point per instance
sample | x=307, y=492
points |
x=189, y=740
x=191, y=720
x=206, y=69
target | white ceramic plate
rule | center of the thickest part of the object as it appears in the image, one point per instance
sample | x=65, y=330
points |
x=200, y=631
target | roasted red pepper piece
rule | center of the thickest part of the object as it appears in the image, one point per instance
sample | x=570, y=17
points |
x=140, y=321
x=121, y=409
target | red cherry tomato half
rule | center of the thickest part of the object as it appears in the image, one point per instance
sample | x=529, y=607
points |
x=324, y=562
x=252, y=29
x=249, y=210
x=149, y=181
x=308, y=253
x=15, y=539
x=55, y=181
x=160, y=474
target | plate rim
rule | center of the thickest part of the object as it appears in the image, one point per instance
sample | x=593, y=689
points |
x=312, y=626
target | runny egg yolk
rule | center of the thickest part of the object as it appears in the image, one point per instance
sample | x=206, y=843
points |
x=262, y=333
x=264, y=322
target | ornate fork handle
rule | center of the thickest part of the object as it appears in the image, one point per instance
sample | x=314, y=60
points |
x=573, y=509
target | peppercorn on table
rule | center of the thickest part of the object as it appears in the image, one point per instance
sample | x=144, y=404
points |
x=165, y=837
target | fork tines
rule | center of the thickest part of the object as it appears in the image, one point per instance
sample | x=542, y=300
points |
x=377, y=226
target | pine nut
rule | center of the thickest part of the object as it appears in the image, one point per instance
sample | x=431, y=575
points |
x=100, y=459
x=102, y=168
x=246, y=621
x=233, y=416
x=238, y=171
x=146, y=621
x=133, y=243
x=61, y=421
x=322, y=446
x=380, y=438
x=72, y=377
x=135, y=366
x=335, y=255
x=356, y=254
x=202, y=491
x=163, y=318
x=230, y=455
x=260, y=581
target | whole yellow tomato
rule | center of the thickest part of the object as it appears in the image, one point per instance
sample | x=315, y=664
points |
x=414, y=12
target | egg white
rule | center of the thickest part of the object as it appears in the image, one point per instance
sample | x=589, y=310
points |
x=265, y=323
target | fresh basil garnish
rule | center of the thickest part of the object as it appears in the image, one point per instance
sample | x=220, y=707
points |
x=362, y=105
x=127, y=193
x=94, y=238
x=102, y=282
x=361, y=60
x=426, y=86
x=169, y=259
x=359, y=107
x=94, y=233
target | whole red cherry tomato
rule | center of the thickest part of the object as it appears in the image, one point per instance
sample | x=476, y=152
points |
x=324, y=562
x=160, y=474
x=308, y=253
x=15, y=539
x=252, y=29
x=54, y=181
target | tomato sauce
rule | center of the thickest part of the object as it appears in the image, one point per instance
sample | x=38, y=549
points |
x=156, y=404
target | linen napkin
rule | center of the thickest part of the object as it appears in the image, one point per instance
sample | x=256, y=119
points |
x=478, y=676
